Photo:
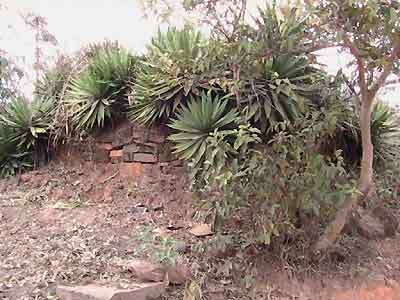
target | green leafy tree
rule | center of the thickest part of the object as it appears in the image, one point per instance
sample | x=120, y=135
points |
x=370, y=31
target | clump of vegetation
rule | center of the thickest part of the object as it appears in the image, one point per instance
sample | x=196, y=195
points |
x=174, y=70
x=24, y=133
x=195, y=123
x=162, y=249
x=281, y=90
x=99, y=92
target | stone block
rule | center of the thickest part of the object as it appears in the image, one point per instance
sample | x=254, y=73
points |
x=129, y=151
x=140, y=291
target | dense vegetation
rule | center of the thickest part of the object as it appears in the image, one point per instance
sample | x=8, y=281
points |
x=280, y=137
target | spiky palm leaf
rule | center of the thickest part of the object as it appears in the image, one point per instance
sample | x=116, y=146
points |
x=282, y=35
x=99, y=92
x=385, y=133
x=196, y=122
x=281, y=90
x=172, y=73
x=54, y=81
x=27, y=123
x=12, y=158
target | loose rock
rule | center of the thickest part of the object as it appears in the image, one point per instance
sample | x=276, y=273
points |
x=142, y=291
x=201, y=230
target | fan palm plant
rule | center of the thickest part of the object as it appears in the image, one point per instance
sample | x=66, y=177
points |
x=27, y=122
x=385, y=132
x=196, y=122
x=173, y=72
x=99, y=92
x=54, y=81
x=12, y=159
x=276, y=34
x=281, y=90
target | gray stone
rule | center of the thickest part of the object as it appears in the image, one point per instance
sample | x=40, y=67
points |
x=142, y=291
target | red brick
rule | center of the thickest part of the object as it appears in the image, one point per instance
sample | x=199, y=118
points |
x=145, y=157
x=116, y=156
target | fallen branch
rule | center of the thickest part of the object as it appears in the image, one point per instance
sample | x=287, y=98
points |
x=109, y=178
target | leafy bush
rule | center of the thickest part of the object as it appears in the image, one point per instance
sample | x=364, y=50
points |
x=99, y=92
x=174, y=71
x=196, y=122
x=280, y=184
x=160, y=248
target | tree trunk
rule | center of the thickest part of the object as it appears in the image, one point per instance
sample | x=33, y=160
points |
x=334, y=229
x=366, y=172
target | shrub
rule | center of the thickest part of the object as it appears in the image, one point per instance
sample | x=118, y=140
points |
x=99, y=92
x=174, y=71
x=280, y=184
x=196, y=122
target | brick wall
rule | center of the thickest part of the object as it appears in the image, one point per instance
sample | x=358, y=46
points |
x=134, y=148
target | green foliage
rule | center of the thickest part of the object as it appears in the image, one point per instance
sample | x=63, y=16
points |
x=282, y=182
x=385, y=132
x=370, y=25
x=196, y=122
x=12, y=159
x=277, y=34
x=282, y=90
x=54, y=81
x=27, y=123
x=99, y=92
x=162, y=249
x=174, y=71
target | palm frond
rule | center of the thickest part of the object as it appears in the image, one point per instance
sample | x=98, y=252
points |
x=195, y=123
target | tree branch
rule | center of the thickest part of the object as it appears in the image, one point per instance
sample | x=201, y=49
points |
x=386, y=70
x=360, y=66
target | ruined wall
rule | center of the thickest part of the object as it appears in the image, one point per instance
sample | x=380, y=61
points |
x=135, y=149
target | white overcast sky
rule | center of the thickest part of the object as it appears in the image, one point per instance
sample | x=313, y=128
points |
x=79, y=22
